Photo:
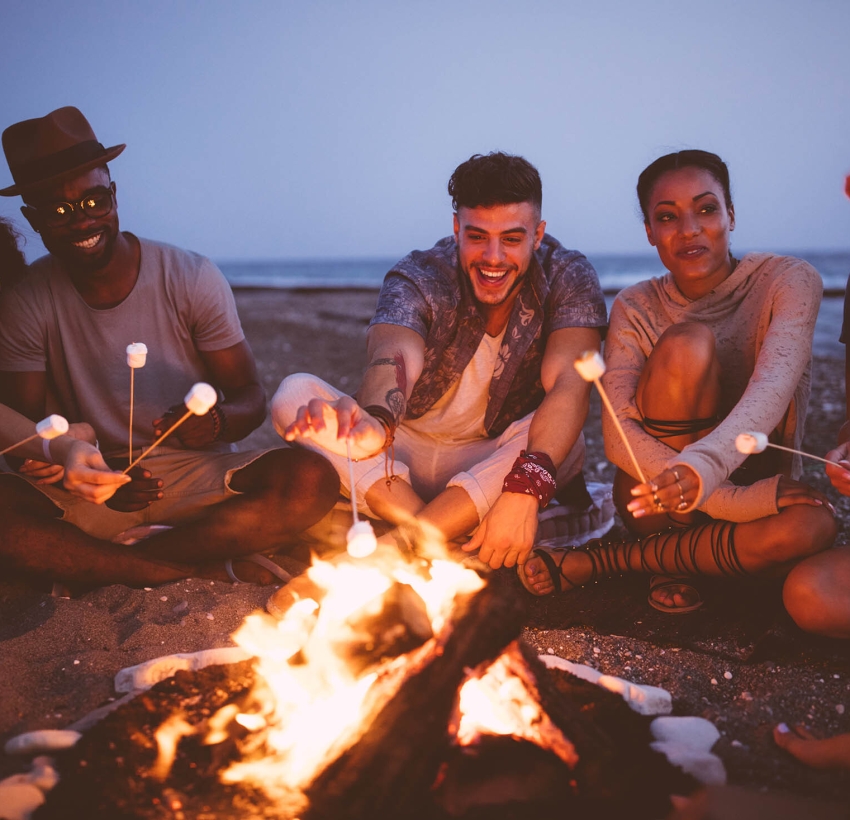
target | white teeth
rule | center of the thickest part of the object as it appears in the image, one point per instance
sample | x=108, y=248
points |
x=492, y=274
x=88, y=243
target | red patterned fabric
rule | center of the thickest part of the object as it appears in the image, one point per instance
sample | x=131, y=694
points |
x=532, y=474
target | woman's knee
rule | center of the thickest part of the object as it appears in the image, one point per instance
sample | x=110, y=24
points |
x=685, y=352
x=816, y=593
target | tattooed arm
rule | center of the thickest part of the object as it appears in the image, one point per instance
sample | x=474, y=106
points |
x=396, y=356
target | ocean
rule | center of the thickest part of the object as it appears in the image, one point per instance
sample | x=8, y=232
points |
x=615, y=272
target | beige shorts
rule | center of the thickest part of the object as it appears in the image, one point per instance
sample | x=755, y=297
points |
x=193, y=481
x=428, y=464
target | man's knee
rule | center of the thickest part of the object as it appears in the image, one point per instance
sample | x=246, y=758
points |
x=294, y=391
x=300, y=477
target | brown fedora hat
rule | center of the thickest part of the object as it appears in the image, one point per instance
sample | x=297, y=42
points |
x=46, y=149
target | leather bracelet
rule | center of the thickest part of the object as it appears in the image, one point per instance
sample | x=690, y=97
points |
x=386, y=419
x=219, y=420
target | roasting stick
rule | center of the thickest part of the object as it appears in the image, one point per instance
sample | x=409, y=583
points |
x=749, y=443
x=198, y=401
x=137, y=354
x=591, y=366
x=46, y=429
x=360, y=539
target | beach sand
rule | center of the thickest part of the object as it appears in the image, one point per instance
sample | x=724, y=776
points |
x=737, y=662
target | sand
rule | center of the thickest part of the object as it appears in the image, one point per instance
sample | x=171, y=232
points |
x=738, y=662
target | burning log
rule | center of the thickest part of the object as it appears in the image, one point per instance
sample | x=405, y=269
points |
x=389, y=770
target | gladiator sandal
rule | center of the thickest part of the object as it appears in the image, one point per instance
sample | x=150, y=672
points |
x=707, y=549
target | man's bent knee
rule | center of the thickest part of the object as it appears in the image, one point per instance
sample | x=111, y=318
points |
x=302, y=482
x=294, y=391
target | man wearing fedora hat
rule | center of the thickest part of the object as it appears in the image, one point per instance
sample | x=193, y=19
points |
x=64, y=331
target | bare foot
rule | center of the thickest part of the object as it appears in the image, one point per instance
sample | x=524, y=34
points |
x=558, y=569
x=829, y=753
x=673, y=595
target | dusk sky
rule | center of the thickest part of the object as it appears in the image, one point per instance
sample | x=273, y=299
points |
x=262, y=130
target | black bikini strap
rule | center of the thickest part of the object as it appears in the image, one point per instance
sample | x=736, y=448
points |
x=667, y=428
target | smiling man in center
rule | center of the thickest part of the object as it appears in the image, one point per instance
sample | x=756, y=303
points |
x=469, y=414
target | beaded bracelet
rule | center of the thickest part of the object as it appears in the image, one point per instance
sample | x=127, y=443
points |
x=219, y=420
x=532, y=474
x=387, y=420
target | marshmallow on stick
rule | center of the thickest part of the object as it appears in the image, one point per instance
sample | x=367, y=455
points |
x=137, y=354
x=48, y=428
x=360, y=539
x=749, y=443
x=198, y=401
x=591, y=367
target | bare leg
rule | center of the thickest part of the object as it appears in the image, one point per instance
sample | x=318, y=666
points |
x=34, y=542
x=283, y=493
x=830, y=753
x=771, y=544
x=393, y=501
x=817, y=593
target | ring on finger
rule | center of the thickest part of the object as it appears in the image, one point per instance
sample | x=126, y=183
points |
x=676, y=476
x=681, y=493
x=658, y=502
x=682, y=505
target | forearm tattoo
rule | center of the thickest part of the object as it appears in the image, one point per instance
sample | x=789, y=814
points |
x=395, y=397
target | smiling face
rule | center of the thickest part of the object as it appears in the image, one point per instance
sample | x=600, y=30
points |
x=689, y=224
x=495, y=246
x=85, y=244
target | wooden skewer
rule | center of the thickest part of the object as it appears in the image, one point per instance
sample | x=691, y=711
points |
x=8, y=449
x=801, y=453
x=46, y=429
x=604, y=396
x=132, y=387
x=168, y=432
x=590, y=367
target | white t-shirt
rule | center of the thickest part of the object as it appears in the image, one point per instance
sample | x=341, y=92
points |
x=458, y=415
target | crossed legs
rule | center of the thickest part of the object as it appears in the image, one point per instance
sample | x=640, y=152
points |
x=283, y=492
x=679, y=397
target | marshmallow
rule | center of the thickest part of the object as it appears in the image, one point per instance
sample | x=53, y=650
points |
x=52, y=426
x=361, y=540
x=590, y=365
x=749, y=443
x=200, y=398
x=136, y=354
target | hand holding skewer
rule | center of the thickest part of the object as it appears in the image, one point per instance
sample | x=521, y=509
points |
x=198, y=402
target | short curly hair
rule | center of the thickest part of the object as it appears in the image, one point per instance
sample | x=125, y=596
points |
x=491, y=179
x=13, y=265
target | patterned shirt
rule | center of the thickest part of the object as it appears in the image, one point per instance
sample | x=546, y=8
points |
x=428, y=293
